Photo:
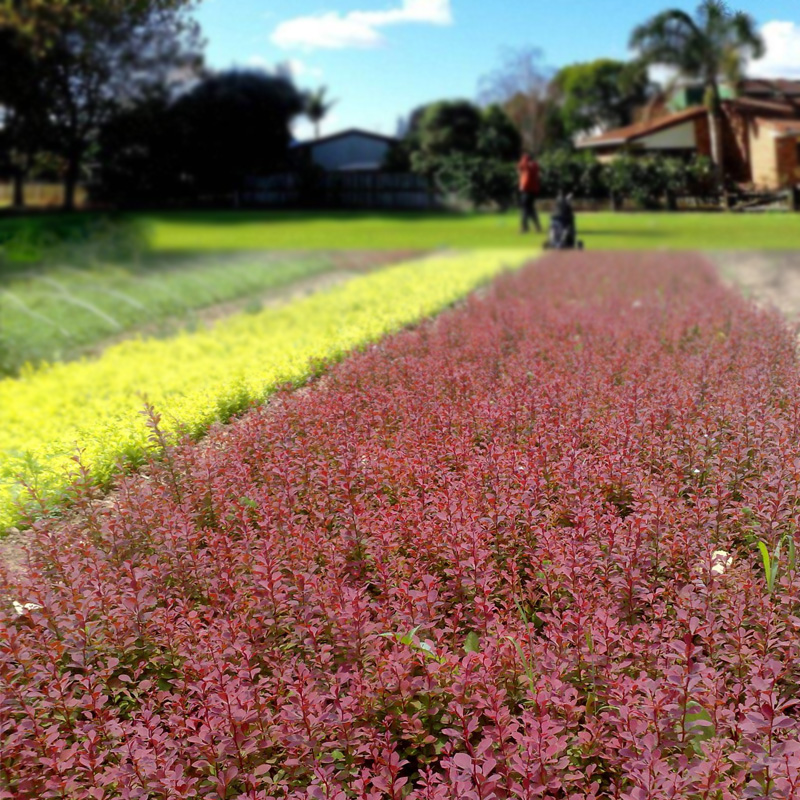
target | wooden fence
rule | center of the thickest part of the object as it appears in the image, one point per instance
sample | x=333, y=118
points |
x=39, y=195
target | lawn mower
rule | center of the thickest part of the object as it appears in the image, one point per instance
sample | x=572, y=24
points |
x=563, y=234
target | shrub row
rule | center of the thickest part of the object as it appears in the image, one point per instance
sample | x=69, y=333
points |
x=511, y=554
x=93, y=408
x=650, y=182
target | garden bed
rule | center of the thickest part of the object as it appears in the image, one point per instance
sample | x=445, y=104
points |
x=540, y=547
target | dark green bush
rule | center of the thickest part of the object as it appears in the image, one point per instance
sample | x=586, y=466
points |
x=479, y=180
x=650, y=182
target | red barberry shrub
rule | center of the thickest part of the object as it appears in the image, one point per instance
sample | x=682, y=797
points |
x=513, y=553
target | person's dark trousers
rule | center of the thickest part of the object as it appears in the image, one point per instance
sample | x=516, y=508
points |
x=528, y=203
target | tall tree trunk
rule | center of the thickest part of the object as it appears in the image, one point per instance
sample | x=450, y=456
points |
x=19, y=189
x=71, y=182
x=716, y=133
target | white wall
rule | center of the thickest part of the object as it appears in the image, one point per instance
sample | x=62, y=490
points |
x=678, y=138
x=350, y=150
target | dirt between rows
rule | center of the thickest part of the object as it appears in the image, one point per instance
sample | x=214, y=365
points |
x=770, y=278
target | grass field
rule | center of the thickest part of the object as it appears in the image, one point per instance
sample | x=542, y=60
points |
x=24, y=238
x=601, y=231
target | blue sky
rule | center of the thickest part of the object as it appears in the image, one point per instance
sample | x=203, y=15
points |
x=382, y=58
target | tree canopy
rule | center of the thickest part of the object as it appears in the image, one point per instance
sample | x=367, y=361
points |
x=601, y=94
x=42, y=21
x=713, y=45
x=99, y=58
x=235, y=125
x=522, y=87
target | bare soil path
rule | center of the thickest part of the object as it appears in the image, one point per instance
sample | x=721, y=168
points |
x=770, y=278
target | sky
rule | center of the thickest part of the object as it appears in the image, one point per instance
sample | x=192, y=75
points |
x=382, y=58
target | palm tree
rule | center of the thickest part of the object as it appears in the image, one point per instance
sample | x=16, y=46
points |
x=317, y=107
x=713, y=46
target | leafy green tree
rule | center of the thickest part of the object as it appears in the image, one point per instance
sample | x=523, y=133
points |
x=88, y=60
x=108, y=63
x=712, y=46
x=498, y=137
x=457, y=138
x=138, y=156
x=449, y=127
x=25, y=127
x=42, y=22
x=235, y=125
x=601, y=94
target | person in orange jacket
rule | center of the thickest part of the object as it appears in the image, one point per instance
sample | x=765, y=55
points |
x=529, y=185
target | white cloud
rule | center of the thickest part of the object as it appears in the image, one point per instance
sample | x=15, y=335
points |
x=782, y=59
x=358, y=29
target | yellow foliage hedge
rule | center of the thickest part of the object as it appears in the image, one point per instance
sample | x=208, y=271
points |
x=94, y=407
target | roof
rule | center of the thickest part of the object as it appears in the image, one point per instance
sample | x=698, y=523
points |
x=630, y=133
x=775, y=87
x=344, y=134
x=785, y=107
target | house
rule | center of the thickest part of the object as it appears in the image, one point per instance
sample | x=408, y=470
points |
x=350, y=175
x=352, y=150
x=760, y=135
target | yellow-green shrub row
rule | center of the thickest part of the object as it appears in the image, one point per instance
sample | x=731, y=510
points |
x=50, y=414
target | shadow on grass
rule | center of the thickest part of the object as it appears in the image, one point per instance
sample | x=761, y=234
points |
x=80, y=240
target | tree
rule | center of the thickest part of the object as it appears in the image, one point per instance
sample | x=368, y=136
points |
x=498, y=137
x=713, y=45
x=318, y=107
x=41, y=22
x=521, y=86
x=601, y=94
x=111, y=62
x=444, y=129
x=25, y=128
x=235, y=125
x=139, y=155
x=99, y=58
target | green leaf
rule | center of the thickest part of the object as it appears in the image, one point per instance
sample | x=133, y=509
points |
x=473, y=643
x=767, y=561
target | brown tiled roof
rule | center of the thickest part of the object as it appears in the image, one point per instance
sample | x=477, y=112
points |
x=630, y=133
x=786, y=107
x=770, y=86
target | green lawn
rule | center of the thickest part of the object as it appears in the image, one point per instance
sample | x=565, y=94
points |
x=25, y=240
x=601, y=231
